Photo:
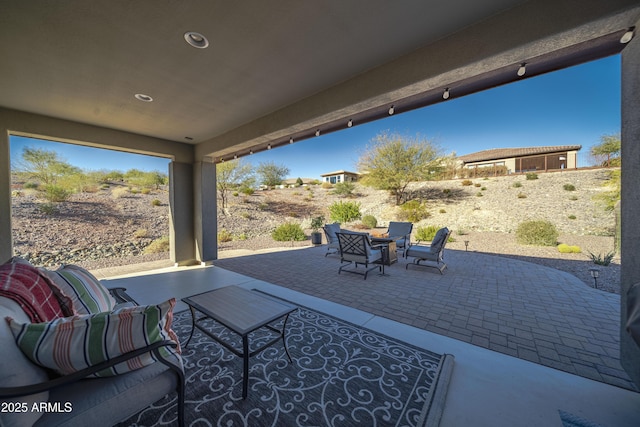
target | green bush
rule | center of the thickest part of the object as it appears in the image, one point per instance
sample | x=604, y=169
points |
x=413, y=211
x=522, y=196
x=539, y=233
x=426, y=233
x=247, y=191
x=344, y=211
x=158, y=246
x=467, y=182
x=563, y=248
x=604, y=260
x=287, y=232
x=156, y=202
x=54, y=193
x=224, y=236
x=369, y=221
x=344, y=189
x=517, y=184
x=569, y=187
x=531, y=176
x=572, y=217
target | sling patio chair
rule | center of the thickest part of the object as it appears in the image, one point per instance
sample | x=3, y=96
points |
x=401, y=230
x=432, y=254
x=330, y=230
x=356, y=248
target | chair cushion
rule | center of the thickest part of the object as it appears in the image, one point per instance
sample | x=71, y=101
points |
x=332, y=229
x=16, y=370
x=438, y=239
x=87, y=294
x=70, y=344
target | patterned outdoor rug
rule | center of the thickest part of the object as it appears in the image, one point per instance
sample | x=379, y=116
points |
x=342, y=375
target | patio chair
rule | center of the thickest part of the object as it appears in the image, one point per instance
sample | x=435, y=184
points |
x=356, y=248
x=330, y=230
x=402, y=230
x=433, y=254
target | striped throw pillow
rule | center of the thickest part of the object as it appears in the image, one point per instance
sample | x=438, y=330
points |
x=70, y=344
x=87, y=294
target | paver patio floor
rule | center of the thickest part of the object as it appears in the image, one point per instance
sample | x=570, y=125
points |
x=522, y=309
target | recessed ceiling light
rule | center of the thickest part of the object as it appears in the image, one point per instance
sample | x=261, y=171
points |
x=142, y=97
x=196, y=39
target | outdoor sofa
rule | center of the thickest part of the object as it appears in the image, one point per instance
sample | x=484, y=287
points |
x=73, y=354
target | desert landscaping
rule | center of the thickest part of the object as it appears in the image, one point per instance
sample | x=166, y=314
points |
x=113, y=226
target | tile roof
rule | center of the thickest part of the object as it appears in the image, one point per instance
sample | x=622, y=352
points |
x=505, y=153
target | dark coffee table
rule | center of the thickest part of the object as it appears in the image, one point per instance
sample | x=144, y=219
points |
x=241, y=311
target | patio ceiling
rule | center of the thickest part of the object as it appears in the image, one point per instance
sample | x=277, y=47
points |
x=279, y=70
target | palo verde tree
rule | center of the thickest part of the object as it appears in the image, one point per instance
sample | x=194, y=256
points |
x=44, y=166
x=607, y=153
x=272, y=174
x=392, y=161
x=230, y=176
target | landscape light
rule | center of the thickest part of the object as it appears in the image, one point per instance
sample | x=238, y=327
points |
x=595, y=272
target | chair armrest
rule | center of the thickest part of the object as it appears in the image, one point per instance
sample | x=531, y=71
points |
x=9, y=392
x=121, y=295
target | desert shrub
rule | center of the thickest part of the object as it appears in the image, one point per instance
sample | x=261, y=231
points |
x=54, y=193
x=287, y=232
x=30, y=185
x=574, y=198
x=119, y=192
x=569, y=187
x=563, y=248
x=442, y=211
x=344, y=189
x=344, y=211
x=571, y=217
x=538, y=232
x=522, y=196
x=141, y=233
x=158, y=246
x=604, y=260
x=531, y=176
x=224, y=236
x=467, y=182
x=156, y=202
x=326, y=185
x=247, y=191
x=446, y=191
x=242, y=236
x=369, y=221
x=263, y=206
x=413, y=211
x=477, y=185
x=146, y=191
x=517, y=184
x=48, y=208
x=479, y=194
x=426, y=233
x=235, y=194
x=483, y=189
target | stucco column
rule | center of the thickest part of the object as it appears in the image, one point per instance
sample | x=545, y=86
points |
x=205, y=212
x=630, y=200
x=6, y=247
x=181, y=213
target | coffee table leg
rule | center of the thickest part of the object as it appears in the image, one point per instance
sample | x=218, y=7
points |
x=245, y=357
x=193, y=326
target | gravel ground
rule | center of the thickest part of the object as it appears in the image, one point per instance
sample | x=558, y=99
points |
x=487, y=222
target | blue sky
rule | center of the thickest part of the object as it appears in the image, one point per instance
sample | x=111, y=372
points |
x=577, y=105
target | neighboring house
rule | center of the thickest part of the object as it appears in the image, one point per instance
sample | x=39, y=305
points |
x=515, y=160
x=340, y=176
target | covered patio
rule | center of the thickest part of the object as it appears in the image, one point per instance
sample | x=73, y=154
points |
x=507, y=385
x=200, y=82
